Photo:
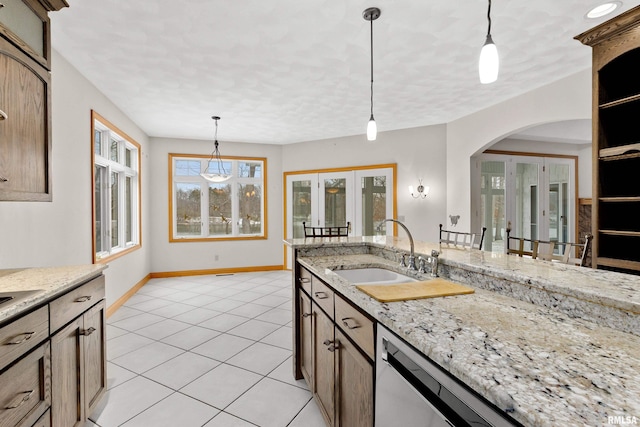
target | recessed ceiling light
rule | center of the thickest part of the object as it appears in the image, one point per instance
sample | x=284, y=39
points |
x=603, y=9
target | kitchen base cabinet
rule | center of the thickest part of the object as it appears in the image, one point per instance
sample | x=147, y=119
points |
x=25, y=388
x=324, y=364
x=79, y=367
x=67, y=372
x=340, y=340
x=306, y=339
x=95, y=357
x=354, y=385
x=53, y=354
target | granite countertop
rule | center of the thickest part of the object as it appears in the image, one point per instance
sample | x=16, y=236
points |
x=541, y=365
x=45, y=283
x=606, y=288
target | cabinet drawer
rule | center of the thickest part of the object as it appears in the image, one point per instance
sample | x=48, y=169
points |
x=356, y=325
x=26, y=389
x=72, y=304
x=22, y=335
x=323, y=296
x=305, y=280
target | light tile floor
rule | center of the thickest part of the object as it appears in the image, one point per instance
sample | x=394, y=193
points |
x=212, y=351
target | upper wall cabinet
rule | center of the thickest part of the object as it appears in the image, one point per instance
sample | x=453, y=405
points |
x=25, y=99
x=616, y=141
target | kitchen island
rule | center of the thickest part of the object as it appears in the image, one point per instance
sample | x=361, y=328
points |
x=548, y=344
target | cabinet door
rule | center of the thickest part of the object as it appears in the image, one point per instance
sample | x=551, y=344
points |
x=323, y=364
x=67, y=372
x=25, y=132
x=354, y=385
x=306, y=339
x=95, y=359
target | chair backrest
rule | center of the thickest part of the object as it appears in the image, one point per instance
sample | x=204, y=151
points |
x=542, y=249
x=536, y=248
x=462, y=239
x=568, y=256
x=336, y=231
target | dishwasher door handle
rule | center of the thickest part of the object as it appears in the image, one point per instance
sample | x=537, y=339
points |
x=385, y=342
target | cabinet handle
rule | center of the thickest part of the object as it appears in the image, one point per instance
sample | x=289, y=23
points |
x=87, y=332
x=305, y=315
x=19, y=399
x=19, y=339
x=331, y=345
x=3, y=115
x=304, y=279
x=350, y=323
x=3, y=179
x=83, y=298
x=321, y=295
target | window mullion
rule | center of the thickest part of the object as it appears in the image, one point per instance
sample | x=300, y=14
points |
x=122, y=210
x=204, y=208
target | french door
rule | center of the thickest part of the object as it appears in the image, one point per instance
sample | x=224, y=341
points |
x=535, y=196
x=362, y=198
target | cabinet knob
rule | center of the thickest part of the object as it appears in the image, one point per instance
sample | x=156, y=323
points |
x=3, y=179
x=3, y=115
x=304, y=280
x=19, y=339
x=83, y=298
x=331, y=345
x=306, y=315
x=321, y=295
x=87, y=332
x=19, y=399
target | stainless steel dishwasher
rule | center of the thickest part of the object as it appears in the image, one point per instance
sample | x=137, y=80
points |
x=413, y=391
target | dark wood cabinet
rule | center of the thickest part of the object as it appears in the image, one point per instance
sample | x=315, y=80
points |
x=616, y=142
x=25, y=99
x=334, y=352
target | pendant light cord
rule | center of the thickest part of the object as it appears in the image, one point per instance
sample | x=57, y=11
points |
x=489, y=19
x=216, y=151
x=371, y=20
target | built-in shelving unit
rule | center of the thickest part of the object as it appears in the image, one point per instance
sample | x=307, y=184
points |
x=616, y=142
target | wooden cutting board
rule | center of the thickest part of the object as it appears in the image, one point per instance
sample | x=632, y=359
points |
x=415, y=290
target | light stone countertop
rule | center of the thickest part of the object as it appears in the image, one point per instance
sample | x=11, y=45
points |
x=546, y=367
x=46, y=283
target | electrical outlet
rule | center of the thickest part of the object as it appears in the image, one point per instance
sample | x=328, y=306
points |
x=216, y=257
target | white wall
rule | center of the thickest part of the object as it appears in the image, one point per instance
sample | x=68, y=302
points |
x=43, y=234
x=582, y=151
x=187, y=256
x=419, y=153
x=566, y=99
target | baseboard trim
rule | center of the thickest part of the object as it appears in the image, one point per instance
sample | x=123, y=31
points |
x=165, y=274
x=124, y=298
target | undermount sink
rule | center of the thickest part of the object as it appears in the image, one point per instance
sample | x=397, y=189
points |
x=374, y=276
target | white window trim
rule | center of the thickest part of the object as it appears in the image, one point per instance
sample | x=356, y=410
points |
x=103, y=160
x=235, y=181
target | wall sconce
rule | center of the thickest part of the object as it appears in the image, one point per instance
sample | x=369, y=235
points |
x=422, y=191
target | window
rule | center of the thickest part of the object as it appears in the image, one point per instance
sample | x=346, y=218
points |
x=202, y=210
x=116, y=191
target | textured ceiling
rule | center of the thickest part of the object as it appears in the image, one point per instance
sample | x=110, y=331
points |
x=283, y=71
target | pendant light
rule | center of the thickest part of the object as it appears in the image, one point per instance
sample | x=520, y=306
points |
x=219, y=175
x=371, y=14
x=489, y=64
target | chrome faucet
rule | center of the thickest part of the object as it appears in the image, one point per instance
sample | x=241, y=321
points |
x=434, y=262
x=412, y=257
